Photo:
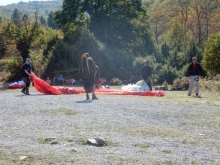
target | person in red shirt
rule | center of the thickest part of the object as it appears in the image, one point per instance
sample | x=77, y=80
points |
x=48, y=81
x=195, y=72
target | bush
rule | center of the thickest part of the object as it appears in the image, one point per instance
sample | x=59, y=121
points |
x=14, y=66
x=181, y=82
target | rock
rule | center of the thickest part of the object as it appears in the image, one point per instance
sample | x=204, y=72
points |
x=96, y=142
x=91, y=142
x=22, y=158
x=72, y=150
x=100, y=141
x=54, y=142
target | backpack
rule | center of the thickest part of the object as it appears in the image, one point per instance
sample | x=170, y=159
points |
x=87, y=67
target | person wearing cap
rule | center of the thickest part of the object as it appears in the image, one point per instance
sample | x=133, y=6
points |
x=146, y=74
x=195, y=71
x=26, y=73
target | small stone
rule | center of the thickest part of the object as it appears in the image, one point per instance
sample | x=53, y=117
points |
x=100, y=141
x=72, y=150
x=22, y=158
x=96, y=142
x=54, y=142
x=91, y=142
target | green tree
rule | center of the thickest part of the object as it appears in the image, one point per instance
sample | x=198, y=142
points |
x=2, y=47
x=43, y=21
x=0, y=20
x=23, y=36
x=25, y=17
x=50, y=21
x=211, y=59
x=120, y=24
x=16, y=17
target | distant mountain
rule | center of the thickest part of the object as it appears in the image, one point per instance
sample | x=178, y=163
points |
x=44, y=7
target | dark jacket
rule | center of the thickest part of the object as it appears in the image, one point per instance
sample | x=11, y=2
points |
x=27, y=67
x=194, y=72
x=145, y=72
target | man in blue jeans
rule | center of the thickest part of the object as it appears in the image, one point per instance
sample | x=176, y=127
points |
x=195, y=71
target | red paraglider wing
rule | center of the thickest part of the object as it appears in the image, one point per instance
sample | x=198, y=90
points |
x=43, y=87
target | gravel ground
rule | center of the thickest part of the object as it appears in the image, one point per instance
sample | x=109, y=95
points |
x=139, y=130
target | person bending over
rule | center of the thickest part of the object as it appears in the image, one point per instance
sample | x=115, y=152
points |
x=88, y=72
x=26, y=73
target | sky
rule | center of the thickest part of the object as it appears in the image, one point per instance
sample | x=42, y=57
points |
x=7, y=2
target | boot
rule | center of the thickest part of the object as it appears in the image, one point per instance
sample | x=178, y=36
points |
x=87, y=97
x=23, y=90
x=27, y=91
x=94, y=97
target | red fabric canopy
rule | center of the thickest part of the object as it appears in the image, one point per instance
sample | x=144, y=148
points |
x=45, y=88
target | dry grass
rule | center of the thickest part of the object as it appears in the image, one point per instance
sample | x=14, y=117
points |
x=141, y=145
x=60, y=111
x=167, y=151
x=206, y=98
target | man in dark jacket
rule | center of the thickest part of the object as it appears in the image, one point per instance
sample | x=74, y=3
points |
x=146, y=74
x=26, y=73
x=195, y=71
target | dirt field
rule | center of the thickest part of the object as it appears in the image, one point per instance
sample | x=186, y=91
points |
x=175, y=129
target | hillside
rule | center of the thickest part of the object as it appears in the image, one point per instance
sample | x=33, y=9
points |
x=29, y=8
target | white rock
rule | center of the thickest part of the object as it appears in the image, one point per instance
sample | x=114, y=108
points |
x=96, y=142
x=91, y=142
x=23, y=158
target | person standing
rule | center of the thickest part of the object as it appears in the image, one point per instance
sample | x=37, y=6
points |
x=48, y=81
x=88, y=72
x=97, y=77
x=195, y=71
x=146, y=74
x=26, y=73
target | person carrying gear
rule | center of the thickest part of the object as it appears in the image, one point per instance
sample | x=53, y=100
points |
x=26, y=73
x=195, y=71
x=146, y=74
x=88, y=72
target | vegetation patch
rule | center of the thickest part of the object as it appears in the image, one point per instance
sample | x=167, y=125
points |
x=168, y=162
x=45, y=141
x=111, y=143
x=141, y=145
x=60, y=111
x=167, y=151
